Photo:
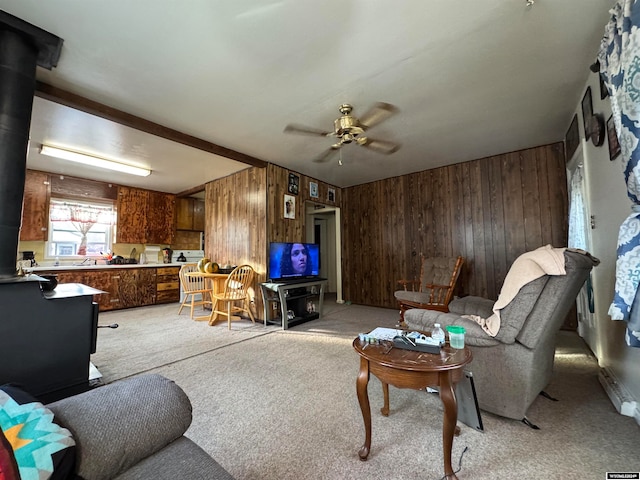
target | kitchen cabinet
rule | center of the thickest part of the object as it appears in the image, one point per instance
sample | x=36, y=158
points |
x=123, y=287
x=161, y=218
x=132, y=215
x=136, y=287
x=190, y=214
x=105, y=280
x=145, y=216
x=167, y=285
x=35, y=207
x=198, y=215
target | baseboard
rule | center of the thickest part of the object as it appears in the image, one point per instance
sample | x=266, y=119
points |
x=619, y=395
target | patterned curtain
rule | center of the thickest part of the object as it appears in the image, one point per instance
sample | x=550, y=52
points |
x=619, y=59
x=79, y=213
x=81, y=217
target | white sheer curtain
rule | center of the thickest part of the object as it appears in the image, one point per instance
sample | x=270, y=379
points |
x=577, y=212
x=579, y=238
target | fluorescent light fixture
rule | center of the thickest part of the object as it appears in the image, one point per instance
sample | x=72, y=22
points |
x=93, y=161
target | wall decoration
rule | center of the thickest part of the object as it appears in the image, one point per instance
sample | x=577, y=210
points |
x=587, y=111
x=597, y=129
x=313, y=189
x=572, y=138
x=614, y=145
x=331, y=194
x=294, y=183
x=604, y=93
x=289, y=206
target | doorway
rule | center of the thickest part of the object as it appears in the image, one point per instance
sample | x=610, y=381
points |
x=323, y=227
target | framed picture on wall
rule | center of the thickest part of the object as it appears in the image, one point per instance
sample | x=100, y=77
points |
x=331, y=194
x=289, y=206
x=572, y=138
x=313, y=189
x=587, y=111
x=294, y=184
x=603, y=88
x=612, y=136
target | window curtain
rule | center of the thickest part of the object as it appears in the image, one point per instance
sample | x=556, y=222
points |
x=619, y=59
x=577, y=213
x=82, y=218
x=79, y=213
x=578, y=238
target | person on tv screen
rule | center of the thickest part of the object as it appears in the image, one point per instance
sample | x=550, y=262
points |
x=295, y=260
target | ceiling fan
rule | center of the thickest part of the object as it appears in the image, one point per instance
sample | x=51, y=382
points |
x=349, y=129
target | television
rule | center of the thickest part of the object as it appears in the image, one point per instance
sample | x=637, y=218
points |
x=293, y=261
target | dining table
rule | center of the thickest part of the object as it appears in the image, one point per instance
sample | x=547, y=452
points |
x=216, y=282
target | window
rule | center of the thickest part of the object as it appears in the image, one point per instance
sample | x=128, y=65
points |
x=79, y=229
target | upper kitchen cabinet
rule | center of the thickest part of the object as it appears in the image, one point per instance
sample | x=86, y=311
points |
x=162, y=218
x=198, y=215
x=190, y=214
x=35, y=207
x=145, y=216
x=132, y=215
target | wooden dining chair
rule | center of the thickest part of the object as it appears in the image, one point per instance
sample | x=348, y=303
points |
x=235, y=297
x=193, y=287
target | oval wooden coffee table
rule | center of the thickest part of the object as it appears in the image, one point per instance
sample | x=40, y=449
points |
x=410, y=369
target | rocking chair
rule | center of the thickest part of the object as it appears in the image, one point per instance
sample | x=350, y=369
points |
x=434, y=290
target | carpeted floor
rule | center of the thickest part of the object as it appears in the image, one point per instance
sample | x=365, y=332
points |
x=270, y=404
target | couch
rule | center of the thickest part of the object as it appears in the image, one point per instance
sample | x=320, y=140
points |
x=133, y=429
x=513, y=367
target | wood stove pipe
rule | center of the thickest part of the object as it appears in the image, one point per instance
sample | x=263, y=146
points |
x=22, y=47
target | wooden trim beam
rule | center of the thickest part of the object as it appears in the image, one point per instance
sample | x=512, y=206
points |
x=83, y=104
x=191, y=191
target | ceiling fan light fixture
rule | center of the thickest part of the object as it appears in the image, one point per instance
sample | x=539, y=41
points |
x=349, y=129
x=93, y=161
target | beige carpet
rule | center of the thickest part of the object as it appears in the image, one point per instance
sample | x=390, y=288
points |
x=274, y=405
x=149, y=337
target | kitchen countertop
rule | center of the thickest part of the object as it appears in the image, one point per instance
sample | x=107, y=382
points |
x=100, y=267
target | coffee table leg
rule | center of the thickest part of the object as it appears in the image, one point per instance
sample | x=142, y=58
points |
x=385, y=393
x=448, y=398
x=363, y=399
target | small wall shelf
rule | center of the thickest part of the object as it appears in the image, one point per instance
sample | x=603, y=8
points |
x=280, y=298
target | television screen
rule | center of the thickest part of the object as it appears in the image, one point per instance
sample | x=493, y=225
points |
x=293, y=260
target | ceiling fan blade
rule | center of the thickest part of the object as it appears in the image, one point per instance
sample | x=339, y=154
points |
x=326, y=155
x=377, y=114
x=380, y=146
x=301, y=129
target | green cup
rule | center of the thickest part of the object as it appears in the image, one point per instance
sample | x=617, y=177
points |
x=456, y=336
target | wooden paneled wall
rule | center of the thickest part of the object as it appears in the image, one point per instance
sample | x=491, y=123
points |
x=236, y=218
x=235, y=223
x=245, y=211
x=489, y=211
x=280, y=229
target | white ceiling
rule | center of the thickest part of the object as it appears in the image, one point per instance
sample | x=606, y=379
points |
x=472, y=78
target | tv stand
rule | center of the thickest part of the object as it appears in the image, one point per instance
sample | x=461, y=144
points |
x=280, y=298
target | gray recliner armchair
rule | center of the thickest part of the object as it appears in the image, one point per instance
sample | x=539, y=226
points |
x=133, y=429
x=514, y=366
